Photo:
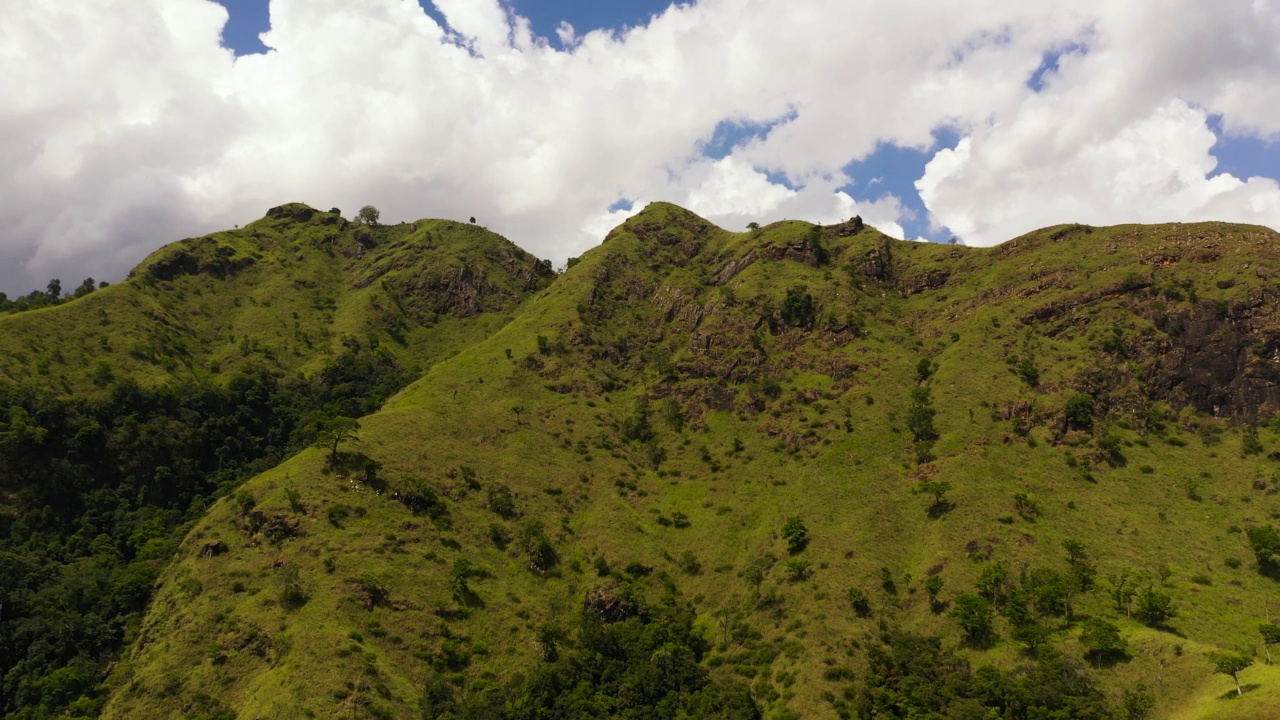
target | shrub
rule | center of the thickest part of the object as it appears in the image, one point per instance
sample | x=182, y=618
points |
x=1079, y=413
x=1155, y=607
x=859, y=602
x=502, y=501
x=337, y=514
x=796, y=535
x=973, y=614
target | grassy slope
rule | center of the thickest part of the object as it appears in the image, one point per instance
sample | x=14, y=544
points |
x=832, y=448
x=282, y=291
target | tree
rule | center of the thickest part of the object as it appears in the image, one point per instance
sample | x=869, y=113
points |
x=54, y=291
x=1138, y=703
x=798, y=570
x=938, y=489
x=1155, y=607
x=798, y=308
x=920, y=416
x=753, y=226
x=1231, y=664
x=1265, y=542
x=1079, y=413
x=458, y=583
x=973, y=614
x=1122, y=593
x=1102, y=640
x=991, y=580
x=925, y=369
x=1034, y=635
x=86, y=287
x=756, y=571
x=859, y=601
x=933, y=586
x=820, y=254
x=1270, y=636
x=796, y=535
x=1026, y=507
x=335, y=430
x=1084, y=570
x=368, y=215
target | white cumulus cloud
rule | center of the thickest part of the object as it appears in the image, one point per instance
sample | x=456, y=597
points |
x=128, y=125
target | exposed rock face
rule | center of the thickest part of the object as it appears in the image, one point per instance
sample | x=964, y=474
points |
x=1222, y=361
x=295, y=211
x=202, y=256
x=878, y=263
x=608, y=604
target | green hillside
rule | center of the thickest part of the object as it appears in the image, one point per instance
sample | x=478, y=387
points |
x=714, y=474
x=283, y=292
x=125, y=412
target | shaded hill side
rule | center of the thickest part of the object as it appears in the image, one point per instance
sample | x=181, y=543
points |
x=816, y=439
x=283, y=292
x=217, y=359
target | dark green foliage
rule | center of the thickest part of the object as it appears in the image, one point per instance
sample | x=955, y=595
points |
x=1051, y=592
x=938, y=489
x=925, y=369
x=1231, y=664
x=973, y=614
x=100, y=491
x=292, y=594
x=814, y=239
x=1249, y=442
x=540, y=553
x=1081, y=566
x=798, y=308
x=635, y=427
x=644, y=666
x=1109, y=446
x=1265, y=542
x=1028, y=371
x=1026, y=507
x=756, y=572
x=992, y=581
x=500, y=538
x=1138, y=703
x=502, y=501
x=333, y=430
x=1270, y=636
x=796, y=535
x=421, y=499
x=50, y=296
x=1154, y=607
x=337, y=514
x=1034, y=636
x=1102, y=640
x=1079, y=413
x=799, y=570
x=920, y=414
x=368, y=215
x=859, y=602
x=911, y=676
x=932, y=587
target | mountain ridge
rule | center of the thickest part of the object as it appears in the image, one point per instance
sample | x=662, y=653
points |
x=629, y=447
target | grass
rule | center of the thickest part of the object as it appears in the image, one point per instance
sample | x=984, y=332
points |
x=641, y=318
x=286, y=292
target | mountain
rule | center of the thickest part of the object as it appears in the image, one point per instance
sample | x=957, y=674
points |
x=124, y=412
x=802, y=471
x=285, y=293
